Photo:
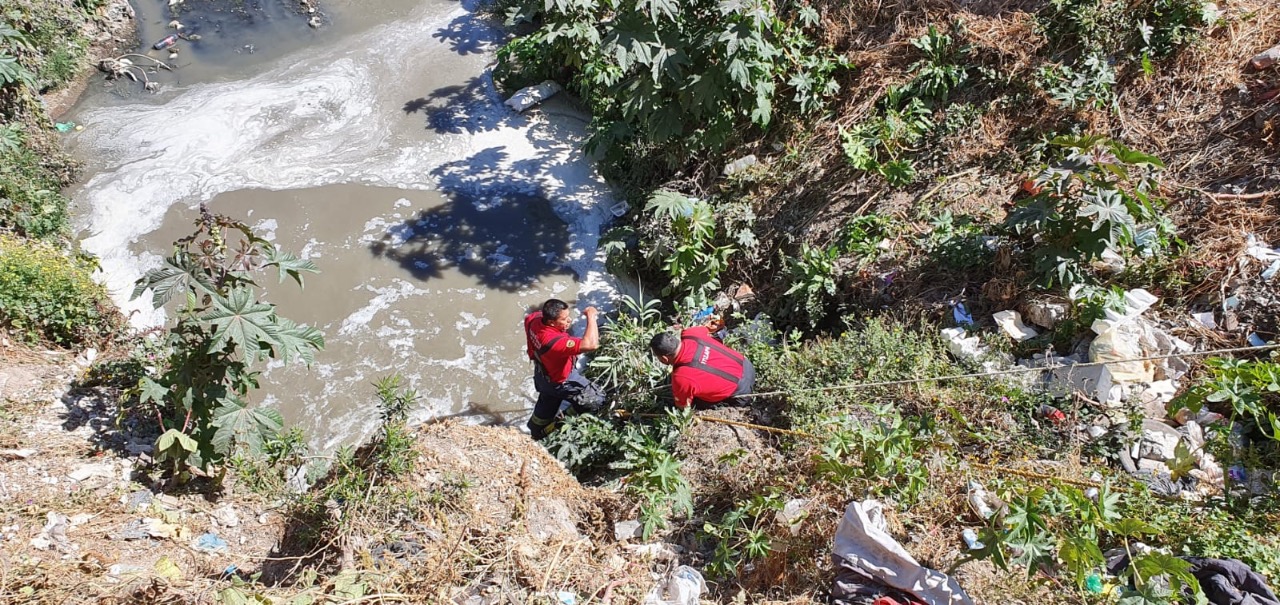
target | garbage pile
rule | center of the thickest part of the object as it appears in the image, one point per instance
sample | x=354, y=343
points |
x=1131, y=362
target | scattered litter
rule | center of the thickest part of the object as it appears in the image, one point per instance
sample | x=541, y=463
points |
x=22, y=454
x=1095, y=432
x=971, y=540
x=121, y=569
x=1255, y=340
x=1271, y=271
x=566, y=598
x=868, y=560
x=157, y=528
x=92, y=470
x=625, y=530
x=1093, y=583
x=1259, y=250
x=530, y=96
x=1206, y=319
x=619, y=209
x=64, y=127
x=1052, y=414
x=54, y=534
x=961, y=314
x=226, y=516
x=657, y=550
x=683, y=586
x=980, y=500
x=209, y=543
x=175, y=24
x=739, y=165
x=1011, y=323
x=1046, y=314
x=792, y=515
x=134, y=530
x=166, y=568
x=1266, y=58
x=165, y=42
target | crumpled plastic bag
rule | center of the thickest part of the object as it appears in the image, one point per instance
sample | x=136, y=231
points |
x=1120, y=338
x=532, y=95
x=866, y=546
x=683, y=586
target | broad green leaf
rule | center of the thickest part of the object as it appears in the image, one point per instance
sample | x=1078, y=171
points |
x=287, y=263
x=295, y=341
x=1081, y=556
x=177, y=274
x=239, y=426
x=173, y=436
x=243, y=322
x=1178, y=571
x=1183, y=462
x=1132, y=528
x=150, y=390
x=669, y=203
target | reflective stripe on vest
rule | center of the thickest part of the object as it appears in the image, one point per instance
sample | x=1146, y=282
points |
x=704, y=344
x=544, y=349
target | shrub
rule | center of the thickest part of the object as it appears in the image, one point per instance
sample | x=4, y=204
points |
x=684, y=73
x=877, y=350
x=220, y=331
x=1100, y=198
x=47, y=294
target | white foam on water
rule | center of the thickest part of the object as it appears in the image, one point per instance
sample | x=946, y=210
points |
x=326, y=116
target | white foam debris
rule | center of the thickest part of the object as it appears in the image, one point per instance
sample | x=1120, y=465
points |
x=470, y=322
x=382, y=300
x=266, y=229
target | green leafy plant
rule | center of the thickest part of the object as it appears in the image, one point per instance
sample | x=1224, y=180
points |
x=1102, y=197
x=940, y=69
x=812, y=277
x=220, y=330
x=49, y=295
x=1090, y=83
x=956, y=242
x=880, y=145
x=1249, y=389
x=684, y=73
x=888, y=452
x=11, y=70
x=741, y=535
x=690, y=247
x=623, y=364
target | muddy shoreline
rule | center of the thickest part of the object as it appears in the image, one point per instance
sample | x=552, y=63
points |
x=113, y=32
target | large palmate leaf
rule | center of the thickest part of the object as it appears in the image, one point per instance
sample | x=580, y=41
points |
x=669, y=203
x=177, y=274
x=295, y=341
x=1110, y=215
x=241, y=321
x=239, y=426
x=287, y=263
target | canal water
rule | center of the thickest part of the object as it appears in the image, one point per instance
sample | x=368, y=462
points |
x=376, y=146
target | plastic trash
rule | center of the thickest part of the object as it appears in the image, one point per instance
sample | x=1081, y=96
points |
x=978, y=499
x=1093, y=583
x=1121, y=341
x=1052, y=414
x=566, y=598
x=864, y=546
x=165, y=42
x=683, y=586
x=1266, y=58
x=739, y=165
x=1255, y=340
x=619, y=209
x=209, y=543
x=1237, y=473
x=961, y=314
x=1206, y=319
x=64, y=126
x=531, y=96
x=971, y=540
x=1271, y=271
x=1011, y=323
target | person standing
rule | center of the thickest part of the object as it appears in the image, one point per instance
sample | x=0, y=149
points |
x=704, y=371
x=554, y=353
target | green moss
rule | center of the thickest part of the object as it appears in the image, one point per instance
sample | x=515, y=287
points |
x=49, y=295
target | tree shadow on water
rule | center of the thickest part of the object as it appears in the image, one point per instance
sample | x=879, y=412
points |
x=506, y=240
x=463, y=108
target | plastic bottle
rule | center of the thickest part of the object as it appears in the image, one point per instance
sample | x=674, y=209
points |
x=1053, y=414
x=166, y=42
x=1093, y=583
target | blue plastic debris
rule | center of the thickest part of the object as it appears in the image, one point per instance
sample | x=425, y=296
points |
x=961, y=314
x=209, y=543
x=971, y=540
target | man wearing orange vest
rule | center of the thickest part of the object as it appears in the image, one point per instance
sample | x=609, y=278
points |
x=554, y=353
x=704, y=371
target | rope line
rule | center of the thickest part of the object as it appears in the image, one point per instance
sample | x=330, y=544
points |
x=1047, y=368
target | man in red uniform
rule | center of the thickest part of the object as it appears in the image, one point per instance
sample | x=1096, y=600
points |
x=554, y=353
x=704, y=371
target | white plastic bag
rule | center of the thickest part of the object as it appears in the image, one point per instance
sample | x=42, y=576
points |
x=683, y=586
x=532, y=95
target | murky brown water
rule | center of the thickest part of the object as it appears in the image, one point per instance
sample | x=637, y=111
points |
x=436, y=215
